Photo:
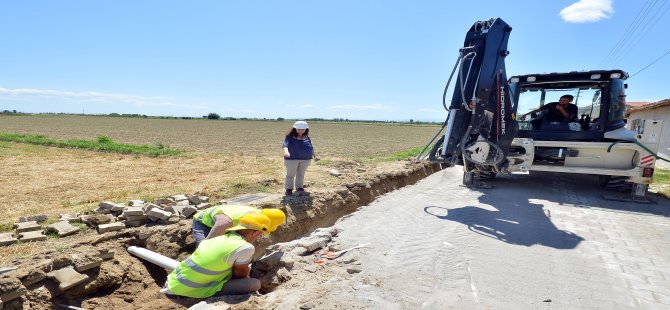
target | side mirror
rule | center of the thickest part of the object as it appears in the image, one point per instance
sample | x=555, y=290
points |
x=596, y=97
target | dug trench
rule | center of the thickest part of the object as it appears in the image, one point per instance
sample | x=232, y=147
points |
x=115, y=279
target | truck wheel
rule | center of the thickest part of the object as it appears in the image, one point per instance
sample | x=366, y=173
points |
x=615, y=183
x=485, y=175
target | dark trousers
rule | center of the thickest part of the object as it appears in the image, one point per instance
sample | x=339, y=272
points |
x=200, y=232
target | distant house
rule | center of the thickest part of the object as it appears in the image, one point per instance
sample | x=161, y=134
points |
x=635, y=104
x=638, y=116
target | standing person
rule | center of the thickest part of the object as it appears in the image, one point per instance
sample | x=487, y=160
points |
x=220, y=266
x=217, y=221
x=298, y=154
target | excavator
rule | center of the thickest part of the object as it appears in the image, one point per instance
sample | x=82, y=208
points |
x=484, y=133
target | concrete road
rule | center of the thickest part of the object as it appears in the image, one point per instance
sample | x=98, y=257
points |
x=544, y=240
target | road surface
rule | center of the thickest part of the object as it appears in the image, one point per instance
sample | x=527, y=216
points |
x=544, y=240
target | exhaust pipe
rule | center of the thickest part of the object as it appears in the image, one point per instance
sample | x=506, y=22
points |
x=154, y=258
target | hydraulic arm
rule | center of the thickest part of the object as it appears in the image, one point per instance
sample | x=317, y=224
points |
x=481, y=122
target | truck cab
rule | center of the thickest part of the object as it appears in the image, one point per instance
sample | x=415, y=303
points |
x=599, y=96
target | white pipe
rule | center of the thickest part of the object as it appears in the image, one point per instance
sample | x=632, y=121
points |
x=153, y=257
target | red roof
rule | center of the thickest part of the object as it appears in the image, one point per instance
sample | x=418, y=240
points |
x=636, y=104
x=655, y=105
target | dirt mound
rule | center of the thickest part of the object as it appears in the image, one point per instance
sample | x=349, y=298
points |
x=101, y=274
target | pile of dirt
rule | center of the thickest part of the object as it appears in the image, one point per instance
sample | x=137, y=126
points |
x=119, y=280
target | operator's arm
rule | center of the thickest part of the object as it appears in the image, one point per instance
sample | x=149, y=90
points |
x=286, y=153
x=531, y=112
x=240, y=260
x=221, y=224
x=565, y=113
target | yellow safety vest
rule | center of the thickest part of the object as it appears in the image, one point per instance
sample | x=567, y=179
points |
x=206, y=270
x=234, y=212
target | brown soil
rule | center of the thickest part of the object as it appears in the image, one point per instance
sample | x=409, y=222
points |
x=125, y=282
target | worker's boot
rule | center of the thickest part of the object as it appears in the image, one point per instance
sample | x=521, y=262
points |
x=301, y=192
x=288, y=192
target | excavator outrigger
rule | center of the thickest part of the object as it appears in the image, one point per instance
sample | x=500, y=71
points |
x=484, y=135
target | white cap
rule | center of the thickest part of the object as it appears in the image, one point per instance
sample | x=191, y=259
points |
x=300, y=125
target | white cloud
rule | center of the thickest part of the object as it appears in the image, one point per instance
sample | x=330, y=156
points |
x=359, y=107
x=431, y=110
x=587, y=11
x=303, y=106
x=139, y=101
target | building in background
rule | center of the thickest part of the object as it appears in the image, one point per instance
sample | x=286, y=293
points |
x=638, y=116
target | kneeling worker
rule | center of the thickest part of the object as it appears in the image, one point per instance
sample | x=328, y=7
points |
x=216, y=221
x=220, y=265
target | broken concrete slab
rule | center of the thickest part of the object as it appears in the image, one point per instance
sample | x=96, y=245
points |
x=136, y=203
x=169, y=208
x=147, y=207
x=179, y=197
x=70, y=218
x=111, y=206
x=97, y=219
x=63, y=228
x=110, y=227
x=133, y=211
x=106, y=254
x=196, y=200
x=188, y=211
x=67, y=277
x=203, y=206
x=135, y=218
x=183, y=203
x=158, y=214
x=86, y=262
x=29, y=236
x=102, y=211
x=37, y=218
x=31, y=276
x=7, y=238
x=164, y=201
x=178, y=209
x=27, y=226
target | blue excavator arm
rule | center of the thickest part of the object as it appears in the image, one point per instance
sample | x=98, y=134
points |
x=481, y=122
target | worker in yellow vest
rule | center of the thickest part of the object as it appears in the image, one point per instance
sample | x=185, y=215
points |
x=215, y=221
x=220, y=265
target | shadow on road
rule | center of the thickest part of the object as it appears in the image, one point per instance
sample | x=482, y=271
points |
x=515, y=222
x=513, y=211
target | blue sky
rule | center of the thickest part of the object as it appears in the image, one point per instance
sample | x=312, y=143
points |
x=386, y=60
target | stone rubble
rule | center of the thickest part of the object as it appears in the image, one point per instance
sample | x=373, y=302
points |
x=108, y=217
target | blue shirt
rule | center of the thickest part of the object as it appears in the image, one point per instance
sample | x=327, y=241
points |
x=299, y=148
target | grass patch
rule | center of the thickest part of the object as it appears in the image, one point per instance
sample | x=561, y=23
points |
x=99, y=144
x=324, y=162
x=5, y=227
x=662, y=182
x=402, y=155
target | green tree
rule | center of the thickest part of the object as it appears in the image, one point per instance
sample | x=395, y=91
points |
x=213, y=116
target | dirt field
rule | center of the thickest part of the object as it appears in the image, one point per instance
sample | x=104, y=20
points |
x=247, y=138
x=224, y=159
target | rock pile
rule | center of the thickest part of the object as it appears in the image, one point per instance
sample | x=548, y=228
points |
x=109, y=216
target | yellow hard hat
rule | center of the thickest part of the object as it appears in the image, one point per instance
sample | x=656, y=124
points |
x=277, y=217
x=255, y=221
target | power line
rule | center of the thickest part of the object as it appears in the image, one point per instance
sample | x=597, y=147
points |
x=631, y=28
x=653, y=20
x=657, y=59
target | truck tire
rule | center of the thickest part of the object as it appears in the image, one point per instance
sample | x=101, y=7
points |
x=615, y=183
x=485, y=175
